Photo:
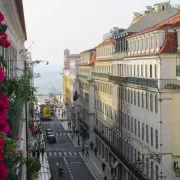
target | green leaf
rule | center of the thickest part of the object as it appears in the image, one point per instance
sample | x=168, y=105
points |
x=3, y=62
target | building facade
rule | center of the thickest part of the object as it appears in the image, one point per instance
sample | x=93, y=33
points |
x=16, y=59
x=134, y=79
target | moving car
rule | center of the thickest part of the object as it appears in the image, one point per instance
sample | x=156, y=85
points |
x=49, y=131
x=51, y=138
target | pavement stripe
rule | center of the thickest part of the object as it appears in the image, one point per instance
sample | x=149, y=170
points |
x=75, y=153
x=60, y=153
x=70, y=153
x=65, y=153
x=50, y=154
x=55, y=153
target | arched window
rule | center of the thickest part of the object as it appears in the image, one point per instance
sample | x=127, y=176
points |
x=142, y=96
x=156, y=104
x=147, y=101
x=151, y=102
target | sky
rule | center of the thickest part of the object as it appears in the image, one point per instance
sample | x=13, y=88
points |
x=54, y=25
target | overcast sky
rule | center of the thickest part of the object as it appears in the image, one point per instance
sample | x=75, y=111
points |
x=78, y=25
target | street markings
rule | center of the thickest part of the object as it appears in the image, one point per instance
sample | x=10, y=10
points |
x=62, y=154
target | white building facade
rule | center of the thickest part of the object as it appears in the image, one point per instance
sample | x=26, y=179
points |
x=16, y=58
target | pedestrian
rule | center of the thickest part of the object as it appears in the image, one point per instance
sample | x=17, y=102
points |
x=42, y=151
x=76, y=132
x=83, y=150
x=38, y=153
x=105, y=178
x=91, y=145
x=87, y=153
x=33, y=153
x=95, y=151
x=103, y=166
x=112, y=170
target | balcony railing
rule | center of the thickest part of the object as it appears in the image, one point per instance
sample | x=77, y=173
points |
x=142, y=82
x=121, y=157
x=172, y=84
x=82, y=76
x=100, y=75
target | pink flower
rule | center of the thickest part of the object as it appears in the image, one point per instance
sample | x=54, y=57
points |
x=4, y=127
x=4, y=100
x=3, y=171
x=14, y=79
x=1, y=74
x=17, y=137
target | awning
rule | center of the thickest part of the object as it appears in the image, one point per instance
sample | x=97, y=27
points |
x=115, y=164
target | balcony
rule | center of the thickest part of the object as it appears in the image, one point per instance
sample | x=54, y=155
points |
x=118, y=79
x=171, y=84
x=120, y=156
x=82, y=76
x=100, y=75
x=143, y=82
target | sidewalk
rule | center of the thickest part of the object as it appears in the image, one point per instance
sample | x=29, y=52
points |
x=44, y=173
x=93, y=163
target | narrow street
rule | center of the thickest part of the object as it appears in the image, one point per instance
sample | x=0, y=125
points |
x=65, y=153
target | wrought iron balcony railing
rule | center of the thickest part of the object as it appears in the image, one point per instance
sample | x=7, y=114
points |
x=121, y=157
x=100, y=75
x=82, y=76
x=172, y=84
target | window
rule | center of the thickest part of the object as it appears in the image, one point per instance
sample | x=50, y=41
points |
x=125, y=121
x=139, y=156
x=134, y=70
x=128, y=123
x=135, y=98
x=147, y=101
x=151, y=136
x=125, y=94
x=131, y=70
x=142, y=96
x=142, y=162
x=131, y=97
x=128, y=96
x=138, y=99
x=141, y=70
x=139, y=129
x=156, y=138
x=152, y=171
x=135, y=126
x=146, y=71
x=147, y=166
x=131, y=124
x=150, y=69
x=138, y=71
x=155, y=71
x=142, y=131
x=151, y=103
x=156, y=104
x=135, y=152
x=147, y=134
x=157, y=172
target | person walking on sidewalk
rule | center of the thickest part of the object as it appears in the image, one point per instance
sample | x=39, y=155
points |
x=103, y=166
x=87, y=152
x=112, y=170
x=83, y=150
x=105, y=178
x=38, y=153
x=42, y=152
x=91, y=145
x=95, y=151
